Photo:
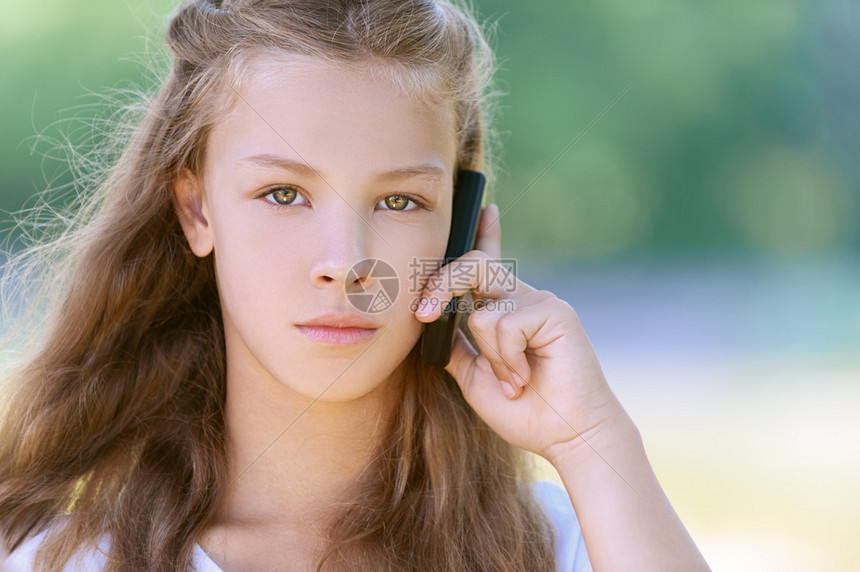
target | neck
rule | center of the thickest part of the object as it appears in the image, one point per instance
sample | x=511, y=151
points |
x=292, y=459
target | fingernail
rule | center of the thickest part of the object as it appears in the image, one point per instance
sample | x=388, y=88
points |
x=508, y=389
x=513, y=378
x=424, y=307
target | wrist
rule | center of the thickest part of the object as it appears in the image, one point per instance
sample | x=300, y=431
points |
x=615, y=435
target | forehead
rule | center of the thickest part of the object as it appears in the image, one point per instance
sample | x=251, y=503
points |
x=344, y=118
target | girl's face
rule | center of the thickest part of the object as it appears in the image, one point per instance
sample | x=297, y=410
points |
x=314, y=169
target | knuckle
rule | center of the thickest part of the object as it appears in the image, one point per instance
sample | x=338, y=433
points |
x=566, y=307
x=479, y=318
x=506, y=324
x=545, y=295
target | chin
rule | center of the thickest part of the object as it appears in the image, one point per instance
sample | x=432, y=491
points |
x=342, y=379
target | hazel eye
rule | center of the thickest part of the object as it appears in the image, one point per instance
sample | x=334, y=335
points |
x=283, y=196
x=399, y=202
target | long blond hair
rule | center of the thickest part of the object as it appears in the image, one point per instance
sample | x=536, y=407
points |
x=113, y=423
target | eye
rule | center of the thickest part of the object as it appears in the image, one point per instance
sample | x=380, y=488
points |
x=283, y=196
x=400, y=202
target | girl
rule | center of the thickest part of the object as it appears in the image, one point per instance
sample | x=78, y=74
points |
x=205, y=397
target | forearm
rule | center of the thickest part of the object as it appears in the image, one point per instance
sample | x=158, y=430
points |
x=626, y=519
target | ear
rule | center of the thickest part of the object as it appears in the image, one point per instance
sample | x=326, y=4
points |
x=190, y=204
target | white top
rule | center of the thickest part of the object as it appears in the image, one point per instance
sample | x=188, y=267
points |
x=570, y=553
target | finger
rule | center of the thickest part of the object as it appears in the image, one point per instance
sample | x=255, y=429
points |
x=475, y=271
x=512, y=337
x=517, y=328
x=484, y=328
x=489, y=235
x=482, y=325
x=470, y=370
x=503, y=333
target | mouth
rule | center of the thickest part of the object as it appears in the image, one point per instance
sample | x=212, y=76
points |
x=338, y=328
x=334, y=336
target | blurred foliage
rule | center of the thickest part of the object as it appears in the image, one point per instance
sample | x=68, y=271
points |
x=739, y=134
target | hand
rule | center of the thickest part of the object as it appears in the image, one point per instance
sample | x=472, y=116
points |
x=536, y=380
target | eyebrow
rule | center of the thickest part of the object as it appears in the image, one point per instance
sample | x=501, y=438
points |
x=430, y=171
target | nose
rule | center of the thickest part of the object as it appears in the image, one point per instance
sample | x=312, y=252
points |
x=342, y=239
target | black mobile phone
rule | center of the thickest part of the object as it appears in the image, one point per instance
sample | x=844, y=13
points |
x=438, y=335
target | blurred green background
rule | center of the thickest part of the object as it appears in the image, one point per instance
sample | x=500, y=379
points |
x=705, y=227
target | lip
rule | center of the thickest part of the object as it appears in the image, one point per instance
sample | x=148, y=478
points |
x=337, y=336
x=338, y=329
x=340, y=320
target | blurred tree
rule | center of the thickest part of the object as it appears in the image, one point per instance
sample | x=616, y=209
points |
x=733, y=108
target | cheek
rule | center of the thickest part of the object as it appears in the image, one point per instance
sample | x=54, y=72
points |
x=255, y=269
x=254, y=294
x=416, y=264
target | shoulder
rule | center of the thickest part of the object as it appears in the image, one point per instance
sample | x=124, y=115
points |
x=92, y=560
x=571, y=555
x=570, y=552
